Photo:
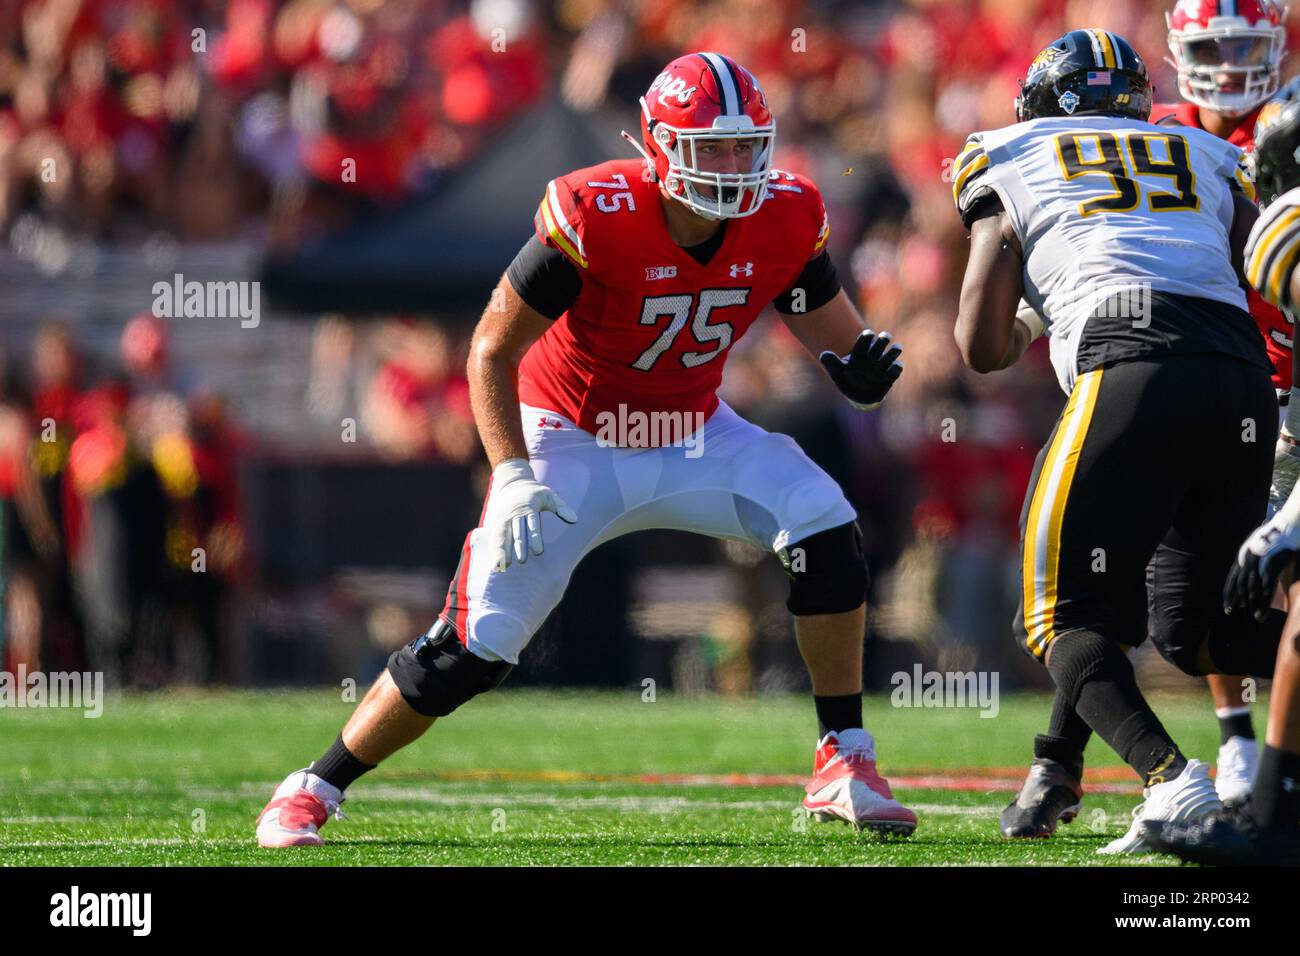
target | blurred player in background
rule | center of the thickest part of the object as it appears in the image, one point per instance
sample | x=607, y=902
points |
x=1265, y=828
x=621, y=310
x=1127, y=240
x=1228, y=57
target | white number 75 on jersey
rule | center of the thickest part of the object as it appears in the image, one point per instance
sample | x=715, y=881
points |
x=678, y=309
x=614, y=203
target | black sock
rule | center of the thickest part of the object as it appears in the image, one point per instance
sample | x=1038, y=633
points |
x=838, y=713
x=1094, y=671
x=1164, y=765
x=338, y=766
x=1236, y=724
x=1275, y=798
x=1047, y=747
x=1067, y=735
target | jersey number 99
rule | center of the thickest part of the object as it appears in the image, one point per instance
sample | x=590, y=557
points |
x=1110, y=161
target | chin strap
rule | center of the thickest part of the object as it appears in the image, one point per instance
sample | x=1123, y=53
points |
x=650, y=163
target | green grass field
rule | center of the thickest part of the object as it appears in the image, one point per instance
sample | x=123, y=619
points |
x=533, y=778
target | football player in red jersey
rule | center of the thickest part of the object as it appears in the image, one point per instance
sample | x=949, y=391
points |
x=594, y=376
x=1228, y=54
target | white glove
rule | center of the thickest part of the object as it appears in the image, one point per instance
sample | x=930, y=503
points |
x=1286, y=468
x=513, y=522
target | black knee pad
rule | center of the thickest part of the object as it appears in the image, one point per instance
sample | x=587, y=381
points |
x=828, y=572
x=436, y=673
x=1182, y=653
x=1241, y=645
x=1079, y=656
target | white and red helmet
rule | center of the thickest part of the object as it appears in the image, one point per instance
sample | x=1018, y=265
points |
x=1227, y=52
x=707, y=96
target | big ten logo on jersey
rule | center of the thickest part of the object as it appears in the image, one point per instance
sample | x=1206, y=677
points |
x=667, y=86
x=613, y=202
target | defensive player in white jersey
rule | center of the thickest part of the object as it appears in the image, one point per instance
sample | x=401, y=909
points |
x=1126, y=239
x=1228, y=55
x=1265, y=829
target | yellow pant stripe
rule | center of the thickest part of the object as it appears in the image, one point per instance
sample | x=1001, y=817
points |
x=1047, y=513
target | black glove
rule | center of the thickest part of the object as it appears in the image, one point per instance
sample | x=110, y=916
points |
x=1270, y=550
x=867, y=373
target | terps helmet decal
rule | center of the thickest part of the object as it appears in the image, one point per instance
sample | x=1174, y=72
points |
x=668, y=85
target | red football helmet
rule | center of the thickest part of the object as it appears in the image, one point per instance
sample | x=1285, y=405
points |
x=1227, y=52
x=698, y=97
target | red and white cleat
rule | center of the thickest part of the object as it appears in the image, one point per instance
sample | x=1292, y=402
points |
x=297, y=811
x=846, y=786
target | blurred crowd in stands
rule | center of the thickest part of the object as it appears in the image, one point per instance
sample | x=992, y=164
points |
x=221, y=119
x=121, y=511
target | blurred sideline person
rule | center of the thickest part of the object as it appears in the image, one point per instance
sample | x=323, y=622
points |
x=1265, y=829
x=1228, y=57
x=612, y=323
x=1126, y=239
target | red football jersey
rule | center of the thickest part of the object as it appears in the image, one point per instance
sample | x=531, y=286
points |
x=651, y=328
x=1272, y=321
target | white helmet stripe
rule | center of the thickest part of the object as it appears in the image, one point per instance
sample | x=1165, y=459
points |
x=1228, y=8
x=1096, y=48
x=726, y=84
x=1115, y=48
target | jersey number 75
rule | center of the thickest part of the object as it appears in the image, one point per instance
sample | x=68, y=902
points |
x=677, y=308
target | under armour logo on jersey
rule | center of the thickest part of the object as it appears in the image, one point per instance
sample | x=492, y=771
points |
x=737, y=269
x=660, y=272
x=545, y=422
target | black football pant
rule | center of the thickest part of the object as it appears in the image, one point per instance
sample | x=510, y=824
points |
x=1155, y=473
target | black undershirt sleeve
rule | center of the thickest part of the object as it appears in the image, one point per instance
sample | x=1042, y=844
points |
x=819, y=283
x=547, y=281
x=990, y=204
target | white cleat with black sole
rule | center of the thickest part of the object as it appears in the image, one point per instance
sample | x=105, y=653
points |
x=1189, y=796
